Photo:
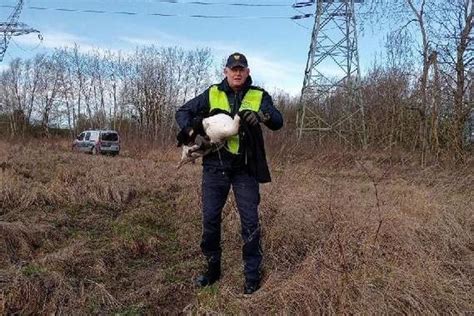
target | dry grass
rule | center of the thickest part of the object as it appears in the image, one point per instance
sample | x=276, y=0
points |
x=343, y=233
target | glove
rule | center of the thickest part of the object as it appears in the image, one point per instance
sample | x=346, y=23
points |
x=185, y=136
x=202, y=146
x=263, y=117
x=250, y=117
x=202, y=142
x=196, y=124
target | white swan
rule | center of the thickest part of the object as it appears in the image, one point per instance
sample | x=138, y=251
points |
x=218, y=128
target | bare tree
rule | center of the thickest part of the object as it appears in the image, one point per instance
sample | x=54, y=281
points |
x=52, y=69
x=444, y=29
x=453, y=26
x=14, y=96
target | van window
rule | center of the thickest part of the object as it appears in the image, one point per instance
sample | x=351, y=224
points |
x=88, y=135
x=81, y=136
x=109, y=136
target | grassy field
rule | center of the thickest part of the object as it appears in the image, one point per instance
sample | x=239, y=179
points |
x=342, y=233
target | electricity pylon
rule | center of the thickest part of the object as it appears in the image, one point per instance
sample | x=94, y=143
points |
x=13, y=28
x=331, y=100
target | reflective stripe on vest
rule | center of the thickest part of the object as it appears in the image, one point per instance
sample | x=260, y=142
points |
x=218, y=100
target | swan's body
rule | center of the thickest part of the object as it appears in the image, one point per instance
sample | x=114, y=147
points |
x=218, y=128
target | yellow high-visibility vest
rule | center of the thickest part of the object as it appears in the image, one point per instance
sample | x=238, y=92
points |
x=218, y=100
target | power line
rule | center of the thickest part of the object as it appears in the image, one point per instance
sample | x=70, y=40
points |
x=236, y=4
x=302, y=26
x=227, y=4
x=26, y=50
x=131, y=13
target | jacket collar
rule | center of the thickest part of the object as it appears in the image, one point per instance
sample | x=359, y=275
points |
x=224, y=85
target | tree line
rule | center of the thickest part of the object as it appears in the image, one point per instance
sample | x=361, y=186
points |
x=70, y=89
x=419, y=96
x=423, y=95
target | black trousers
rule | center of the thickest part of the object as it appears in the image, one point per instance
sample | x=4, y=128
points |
x=215, y=189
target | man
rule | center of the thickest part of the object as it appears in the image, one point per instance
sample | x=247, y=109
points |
x=241, y=163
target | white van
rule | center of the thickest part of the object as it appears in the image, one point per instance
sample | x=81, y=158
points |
x=97, y=142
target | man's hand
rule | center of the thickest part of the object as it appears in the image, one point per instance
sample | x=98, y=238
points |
x=264, y=117
x=185, y=136
x=253, y=118
x=250, y=117
x=202, y=142
x=201, y=147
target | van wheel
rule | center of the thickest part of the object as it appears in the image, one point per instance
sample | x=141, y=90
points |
x=94, y=151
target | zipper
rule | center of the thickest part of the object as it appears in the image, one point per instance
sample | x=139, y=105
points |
x=245, y=149
x=219, y=155
x=236, y=104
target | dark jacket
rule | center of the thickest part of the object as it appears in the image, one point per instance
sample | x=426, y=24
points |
x=251, y=150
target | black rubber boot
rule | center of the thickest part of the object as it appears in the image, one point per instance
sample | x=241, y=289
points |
x=209, y=277
x=251, y=286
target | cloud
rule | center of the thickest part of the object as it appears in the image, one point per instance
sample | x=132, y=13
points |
x=275, y=73
x=267, y=70
x=166, y=39
x=3, y=67
x=53, y=40
x=286, y=75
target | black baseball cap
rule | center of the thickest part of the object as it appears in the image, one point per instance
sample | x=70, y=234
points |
x=236, y=60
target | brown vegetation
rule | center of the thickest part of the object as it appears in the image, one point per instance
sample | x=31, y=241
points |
x=343, y=233
x=387, y=230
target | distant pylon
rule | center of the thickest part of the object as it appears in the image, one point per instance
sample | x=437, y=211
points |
x=13, y=28
x=331, y=100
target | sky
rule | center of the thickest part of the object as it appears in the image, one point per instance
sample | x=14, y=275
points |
x=276, y=46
